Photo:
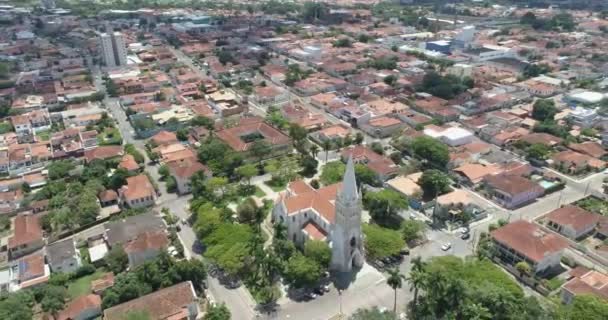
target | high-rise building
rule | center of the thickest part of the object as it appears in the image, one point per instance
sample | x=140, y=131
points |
x=48, y=4
x=113, y=49
x=120, y=49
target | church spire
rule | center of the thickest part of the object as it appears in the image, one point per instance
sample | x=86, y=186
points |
x=349, y=184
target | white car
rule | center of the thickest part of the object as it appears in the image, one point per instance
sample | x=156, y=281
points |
x=446, y=246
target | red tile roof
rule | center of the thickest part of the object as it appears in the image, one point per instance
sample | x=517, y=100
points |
x=75, y=307
x=26, y=230
x=512, y=184
x=186, y=169
x=529, y=240
x=161, y=304
x=232, y=136
x=589, y=282
x=314, y=231
x=592, y=149
x=137, y=187
x=321, y=201
x=164, y=137
x=577, y=218
x=147, y=240
x=128, y=162
x=103, y=153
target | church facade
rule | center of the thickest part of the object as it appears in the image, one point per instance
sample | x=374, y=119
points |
x=331, y=214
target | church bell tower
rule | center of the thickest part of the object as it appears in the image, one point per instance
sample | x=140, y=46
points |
x=346, y=238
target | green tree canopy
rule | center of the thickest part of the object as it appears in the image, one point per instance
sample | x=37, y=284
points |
x=384, y=204
x=217, y=312
x=381, y=242
x=544, y=110
x=431, y=150
x=319, y=251
x=433, y=183
x=301, y=271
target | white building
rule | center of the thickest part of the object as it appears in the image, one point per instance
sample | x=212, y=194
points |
x=452, y=136
x=331, y=214
x=584, y=117
x=113, y=49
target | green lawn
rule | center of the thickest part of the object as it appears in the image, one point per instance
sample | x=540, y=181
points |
x=82, y=286
x=276, y=188
x=44, y=135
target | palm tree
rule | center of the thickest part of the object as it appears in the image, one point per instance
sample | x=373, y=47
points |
x=395, y=281
x=326, y=147
x=417, y=276
x=314, y=149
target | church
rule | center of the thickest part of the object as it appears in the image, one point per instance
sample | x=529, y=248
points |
x=331, y=213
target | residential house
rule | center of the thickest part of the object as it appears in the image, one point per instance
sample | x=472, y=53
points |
x=331, y=133
x=542, y=138
x=103, y=153
x=592, y=149
x=572, y=222
x=452, y=136
x=511, y=190
x=303, y=117
x=524, y=241
x=183, y=171
x=138, y=192
x=241, y=137
x=108, y=198
x=178, y=302
x=62, y=256
x=382, y=127
x=270, y=96
x=30, y=123
x=145, y=246
x=128, y=163
x=122, y=231
x=384, y=167
x=574, y=163
x=583, y=281
x=85, y=307
x=163, y=138
x=31, y=271
x=27, y=236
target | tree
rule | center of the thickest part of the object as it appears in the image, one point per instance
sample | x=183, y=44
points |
x=391, y=80
x=417, y=277
x=381, y=242
x=365, y=175
x=314, y=150
x=17, y=305
x=248, y=211
x=412, y=230
x=260, y=149
x=383, y=205
x=319, y=251
x=433, y=183
x=544, y=110
x=584, y=307
x=117, y=259
x=528, y=18
x=301, y=271
x=118, y=178
x=247, y=172
x=372, y=314
x=431, y=150
x=309, y=165
x=60, y=169
x=358, y=138
x=377, y=148
x=326, y=147
x=217, y=312
x=523, y=268
x=53, y=299
x=538, y=151
x=395, y=281
x=332, y=172
x=298, y=134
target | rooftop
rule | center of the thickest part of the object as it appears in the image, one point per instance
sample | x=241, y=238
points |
x=529, y=240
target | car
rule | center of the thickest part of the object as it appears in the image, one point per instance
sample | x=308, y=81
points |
x=405, y=252
x=464, y=230
x=447, y=246
x=184, y=222
x=318, y=291
x=465, y=236
x=326, y=288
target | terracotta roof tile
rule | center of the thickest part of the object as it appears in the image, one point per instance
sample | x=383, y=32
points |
x=529, y=240
x=147, y=240
x=137, y=187
x=75, y=307
x=161, y=304
x=577, y=218
x=26, y=230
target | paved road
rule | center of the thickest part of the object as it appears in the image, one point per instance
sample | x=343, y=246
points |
x=239, y=301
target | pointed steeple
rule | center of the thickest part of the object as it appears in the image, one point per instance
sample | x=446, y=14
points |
x=349, y=184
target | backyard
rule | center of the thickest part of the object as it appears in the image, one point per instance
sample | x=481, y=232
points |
x=82, y=285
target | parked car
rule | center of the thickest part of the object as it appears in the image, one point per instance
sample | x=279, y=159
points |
x=447, y=246
x=465, y=236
